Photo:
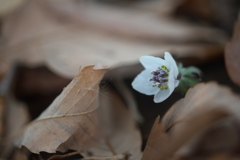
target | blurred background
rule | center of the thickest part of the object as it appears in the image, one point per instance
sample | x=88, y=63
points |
x=45, y=43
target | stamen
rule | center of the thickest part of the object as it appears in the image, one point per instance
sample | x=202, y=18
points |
x=160, y=78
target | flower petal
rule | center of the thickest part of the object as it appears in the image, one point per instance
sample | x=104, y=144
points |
x=142, y=84
x=171, y=82
x=152, y=63
x=176, y=82
x=169, y=59
x=161, y=95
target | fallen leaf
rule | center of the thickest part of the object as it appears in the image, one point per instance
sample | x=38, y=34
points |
x=203, y=107
x=73, y=111
x=120, y=134
x=200, y=98
x=232, y=56
x=141, y=25
x=191, y=128
x=28, y=18
x=157, y=140
x=222, y=138
x=88, y=39
x=63, y=53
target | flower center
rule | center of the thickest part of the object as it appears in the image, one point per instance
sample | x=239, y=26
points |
x=160, y=77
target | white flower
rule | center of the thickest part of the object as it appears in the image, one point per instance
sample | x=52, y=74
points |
x=159, y=77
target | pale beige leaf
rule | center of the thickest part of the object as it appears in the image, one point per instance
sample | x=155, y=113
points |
x=63, y=53
x=120, y=134
x=23, y=30
x=133, y=23
x=73, y=111
x=34, y=31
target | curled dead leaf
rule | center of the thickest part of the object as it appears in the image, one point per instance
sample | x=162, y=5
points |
x=190, y=120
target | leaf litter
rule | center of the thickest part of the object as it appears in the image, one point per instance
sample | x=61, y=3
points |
x=76, y=120
x=68, y=36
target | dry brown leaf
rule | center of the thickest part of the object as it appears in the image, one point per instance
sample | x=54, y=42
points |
x=157, y=140
x=120, y=134
x=72, y=112
x=222, y=138
x=181, y=135
x=27, y=24
x=63, y=55
x=203, y=97
x=232, y=55
x=203, y=106
x=137, y=24
x=191, y=128
x=44, y=38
